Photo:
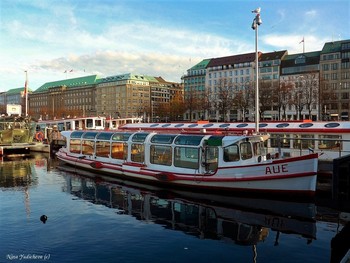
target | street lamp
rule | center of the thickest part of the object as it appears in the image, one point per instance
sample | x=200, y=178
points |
x=256, y=23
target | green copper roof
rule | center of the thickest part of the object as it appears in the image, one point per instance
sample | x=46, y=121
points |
x=335, y=46
x=75, y=82
x=306, y=54
x=129, y=76
x=16, y=91
x=201, y=65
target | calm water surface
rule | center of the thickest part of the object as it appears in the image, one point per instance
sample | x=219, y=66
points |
x=96, y=219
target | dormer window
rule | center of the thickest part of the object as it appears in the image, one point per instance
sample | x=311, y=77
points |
x=300, y=59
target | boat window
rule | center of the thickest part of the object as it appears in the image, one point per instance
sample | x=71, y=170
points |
x=122, y=136
x=163, y=138
x=306, y=125
x=88, y=147
x=186, y=157
x=89, y=123
x=74, y=146
x=330, y=142
x=76, y=134
x=154, y=125
x=137, y=152
x=193, y=125
x=331, y=125
x=102, y=148
x=166, y=125
x=139, y=137
x=257, y=148
x=301, y=141
x=282, y=125
x=161, y=154
x=89, y=135
x=119, y=150
x=246, y=150
x=280, y=140
x=69, y=126
x=60, y=126
x=242, y=125
x=98, y=123
x=104, y=136
x=262, y=125
x=179, y=125
x=208, y=125
x=188, y=139
x=231, y=153
x=224, y=125
x=211, y=158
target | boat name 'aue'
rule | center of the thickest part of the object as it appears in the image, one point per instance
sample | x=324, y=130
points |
x=275, y=169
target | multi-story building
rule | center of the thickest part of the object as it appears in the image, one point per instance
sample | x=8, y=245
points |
x=13, y=96
x=229, y=83
x=195, y=94
x=125, y=95
x=269, y=77
x=335, y=80
x=298, y=95
x=64, y=98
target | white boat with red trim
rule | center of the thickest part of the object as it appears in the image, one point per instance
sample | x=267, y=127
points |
x=206, y=161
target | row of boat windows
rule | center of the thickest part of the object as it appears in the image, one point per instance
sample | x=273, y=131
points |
x=242, y=125
x=182, y=156
x=185, y=157
x=305, y=141
x=141, y=137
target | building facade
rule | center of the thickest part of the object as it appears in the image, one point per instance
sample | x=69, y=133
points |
x=335, y=80
x=299, y=86
x=64, y=98
x=195, y=93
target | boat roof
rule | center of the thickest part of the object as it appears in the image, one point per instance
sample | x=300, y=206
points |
x=212, y=139
x=302, y=126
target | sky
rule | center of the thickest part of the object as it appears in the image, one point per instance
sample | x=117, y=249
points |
x=58, y=39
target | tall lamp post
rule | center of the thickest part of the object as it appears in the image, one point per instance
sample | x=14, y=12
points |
x=256, y=23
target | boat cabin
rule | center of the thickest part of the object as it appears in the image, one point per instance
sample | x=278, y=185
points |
x=203, y=153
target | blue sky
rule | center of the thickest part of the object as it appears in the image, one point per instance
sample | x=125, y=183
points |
x=158, y=38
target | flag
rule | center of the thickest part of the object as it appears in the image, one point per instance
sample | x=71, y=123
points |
x=302, y=41
x=25, y=91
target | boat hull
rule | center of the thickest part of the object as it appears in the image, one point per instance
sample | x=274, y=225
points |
x=293, y=176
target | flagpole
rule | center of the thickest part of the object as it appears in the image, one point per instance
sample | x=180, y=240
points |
x=26, y=93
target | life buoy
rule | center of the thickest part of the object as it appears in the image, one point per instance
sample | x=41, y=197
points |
x=39, y=136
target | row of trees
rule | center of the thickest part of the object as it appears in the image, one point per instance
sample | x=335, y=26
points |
x=298, y=93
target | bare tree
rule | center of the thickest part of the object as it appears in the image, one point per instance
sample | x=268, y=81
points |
x=311, y=92
x=224, y=101
x=266, y=96
x=284, y=95
x=191, y=99
x=176, y=107
x=243, y=98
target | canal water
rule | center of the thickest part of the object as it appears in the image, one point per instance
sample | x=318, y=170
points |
x=56, y=213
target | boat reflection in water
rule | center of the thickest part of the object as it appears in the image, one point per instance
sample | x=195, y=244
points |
x=245, y=221
x=17, y=173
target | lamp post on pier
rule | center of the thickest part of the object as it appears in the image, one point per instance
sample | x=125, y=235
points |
x=256, y=23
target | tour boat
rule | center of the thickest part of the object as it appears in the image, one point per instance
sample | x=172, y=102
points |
x=198, y=160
